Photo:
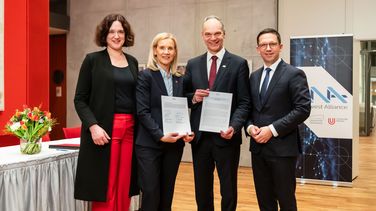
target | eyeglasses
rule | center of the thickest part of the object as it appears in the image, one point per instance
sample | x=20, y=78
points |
x=210, y=35
x=118, y=33
x=271, y=45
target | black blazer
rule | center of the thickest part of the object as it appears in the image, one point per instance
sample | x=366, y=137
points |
x=232, y=77
x=149, y=89
x=287, y=104
x=95, y=104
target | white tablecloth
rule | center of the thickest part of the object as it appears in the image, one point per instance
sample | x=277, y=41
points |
x=41, y=182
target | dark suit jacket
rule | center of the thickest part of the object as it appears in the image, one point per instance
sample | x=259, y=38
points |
x=94, y=102
x=232, y=77
x=149, y=89
x=287, y=104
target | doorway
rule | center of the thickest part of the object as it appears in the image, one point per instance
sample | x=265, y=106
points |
x=58, y=96
x=367, y=88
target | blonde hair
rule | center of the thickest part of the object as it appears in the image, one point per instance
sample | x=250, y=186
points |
x=152, y=61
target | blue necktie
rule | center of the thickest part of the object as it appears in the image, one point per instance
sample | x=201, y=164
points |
x=264, y=86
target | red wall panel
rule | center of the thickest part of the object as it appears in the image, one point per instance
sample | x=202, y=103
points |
x=26, y=56
x=38, y=52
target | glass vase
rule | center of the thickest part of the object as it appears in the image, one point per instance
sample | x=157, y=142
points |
x=30, y=147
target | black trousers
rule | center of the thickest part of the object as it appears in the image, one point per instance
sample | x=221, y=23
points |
x=206, y=156
x=157, y=170
x=275, y=182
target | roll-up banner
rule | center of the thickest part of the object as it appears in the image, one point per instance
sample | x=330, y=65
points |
x=327, y=134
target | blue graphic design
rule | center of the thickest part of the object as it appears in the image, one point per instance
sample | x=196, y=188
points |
x=325, y=158
x=330, y=93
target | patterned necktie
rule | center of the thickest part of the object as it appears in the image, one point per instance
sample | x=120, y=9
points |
x=264, y=86
x=213, y=71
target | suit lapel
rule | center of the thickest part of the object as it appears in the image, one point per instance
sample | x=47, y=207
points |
x=175, y=86
x=276, y=76
x=222, y=70
x=204, y=70
x=108, y=64
x=256, y=86
x=132, y=66
x=158, y=78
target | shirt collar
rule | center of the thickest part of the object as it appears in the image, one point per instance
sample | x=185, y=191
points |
x=219, y=54
x=274, y=65
x=163, y=71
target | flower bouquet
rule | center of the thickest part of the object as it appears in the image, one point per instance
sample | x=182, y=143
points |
x=30, y=125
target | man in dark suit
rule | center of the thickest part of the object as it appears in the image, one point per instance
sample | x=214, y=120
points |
x=280, y=101
x=217, y=70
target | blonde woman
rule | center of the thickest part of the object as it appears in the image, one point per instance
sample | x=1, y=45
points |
x=158, y=155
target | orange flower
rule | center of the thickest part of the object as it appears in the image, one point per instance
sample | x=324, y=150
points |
x=35, y=118
x=18, y=113
x=47, y=114
x=24, y=127
x=25, y=124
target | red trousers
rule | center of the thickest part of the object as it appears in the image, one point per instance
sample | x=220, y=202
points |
x=120, y=166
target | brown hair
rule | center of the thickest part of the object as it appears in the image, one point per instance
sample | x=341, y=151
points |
x=104, y=27
x=267, y=31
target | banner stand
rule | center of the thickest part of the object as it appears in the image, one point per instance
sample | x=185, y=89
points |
x=327, y=156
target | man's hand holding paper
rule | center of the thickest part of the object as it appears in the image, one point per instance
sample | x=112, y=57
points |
x=215, y=113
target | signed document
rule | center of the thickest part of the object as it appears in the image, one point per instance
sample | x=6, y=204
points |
x=175, y=117
x=215, y=113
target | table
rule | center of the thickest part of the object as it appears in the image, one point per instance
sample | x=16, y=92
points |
x=41, y=182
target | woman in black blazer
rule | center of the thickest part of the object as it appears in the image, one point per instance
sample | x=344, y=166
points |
x=105, y=102
x=158, y=154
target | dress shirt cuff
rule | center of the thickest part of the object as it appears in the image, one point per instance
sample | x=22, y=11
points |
x=271, y=127
x=249, y=130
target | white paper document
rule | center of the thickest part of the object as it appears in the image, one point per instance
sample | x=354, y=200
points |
x=215, y=113
x=175, y=117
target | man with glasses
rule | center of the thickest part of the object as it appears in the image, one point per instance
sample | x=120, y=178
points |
x=220, y=71
x=280, y=101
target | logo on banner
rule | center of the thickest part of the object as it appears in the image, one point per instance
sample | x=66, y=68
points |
x=331, y=105
x=331, y=121
x=331, y=94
